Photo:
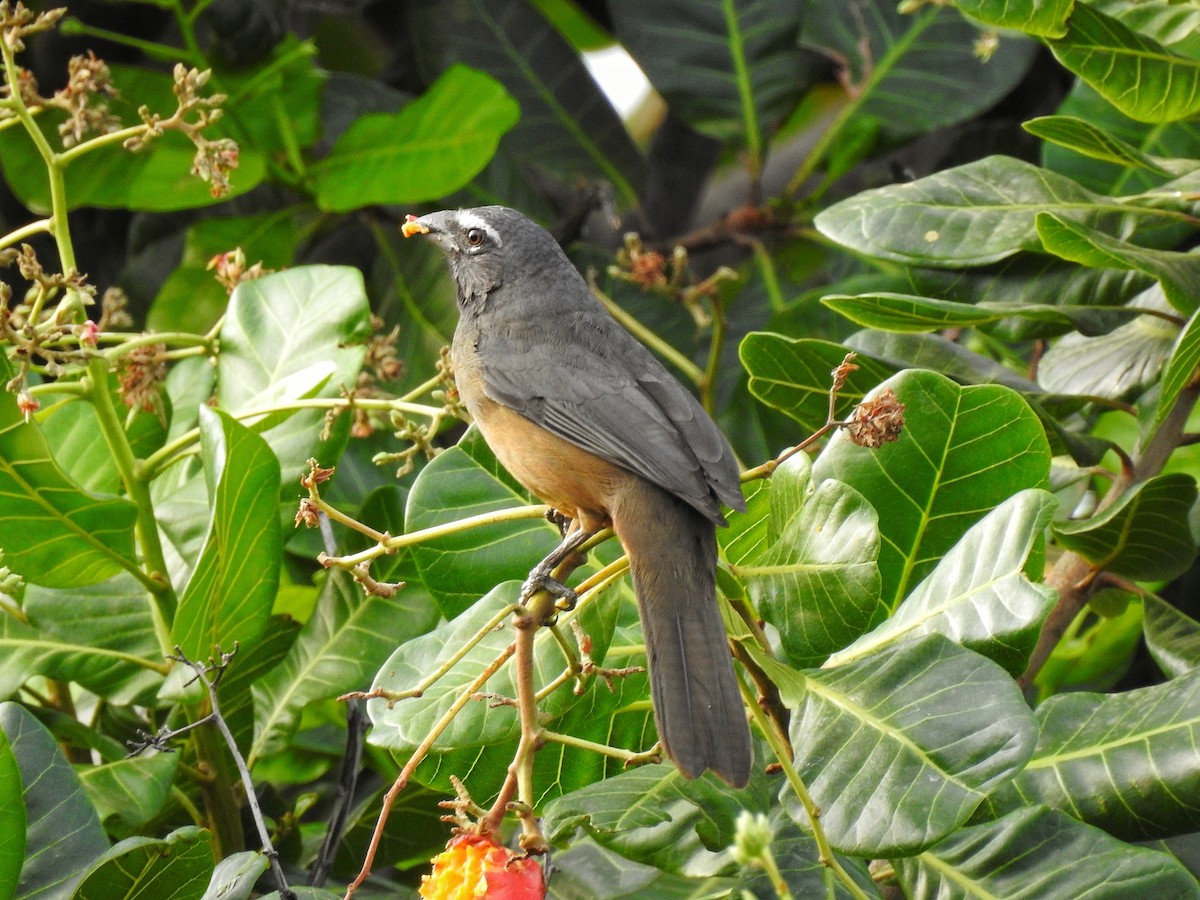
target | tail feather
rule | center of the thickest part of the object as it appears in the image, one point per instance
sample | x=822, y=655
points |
x=697, y=704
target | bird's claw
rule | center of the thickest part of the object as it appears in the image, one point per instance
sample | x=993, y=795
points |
x=541, y=580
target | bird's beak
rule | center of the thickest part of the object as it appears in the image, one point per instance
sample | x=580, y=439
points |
x=412, y=225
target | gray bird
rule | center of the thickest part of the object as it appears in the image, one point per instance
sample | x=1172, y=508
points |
x=588, y=419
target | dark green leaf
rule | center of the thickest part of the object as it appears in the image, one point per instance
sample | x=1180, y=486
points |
x=588, y=871
x=800, y=863
x=430, y=148
x=1172, y=638
x=979, y=595
x=274, y=105
x=12, y=813
x=1139, y=535
x=55, y=533
x=63, y=833
x=816, y=579
x=1137, y=75
x=1035, y=852
x=1123, y=762
x=1086, y=138
x=133, y=789
x=963, y=451
x=178, y=866
x=1185, y=358
x=898, y=749
x=228, y=598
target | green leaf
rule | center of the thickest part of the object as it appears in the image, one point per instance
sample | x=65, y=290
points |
x=794, y=376
x=276, y=103
x=135, y=790
x=1179, y=273
x=101, y=636
x=178, y=866
x=63, y=833
x=1185, y=358
x=555, y=92
x=1097, y=143
x=1123, y=762
x=1137, y=75
x=1172, y=638
x=478, y=724
x=979, y=595
x=12, y=813
x=895, y=64
x=1034, y=852
x=730, y=69
x=816, y=579
x=588, y=871
x=466, y=480
x=799, y=860
x=898, y=749
x=1040, y=18
x=963, y=451
x=55, y=533
x=281, y=332
x=1139, y=535
x=430, y=148
x=341, y=646
x=234, y=876
x=970, y=215
x=228, y=598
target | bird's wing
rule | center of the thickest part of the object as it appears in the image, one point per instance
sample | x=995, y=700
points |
x=609, y=395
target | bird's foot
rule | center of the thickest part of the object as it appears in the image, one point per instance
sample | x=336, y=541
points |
x=540, y=579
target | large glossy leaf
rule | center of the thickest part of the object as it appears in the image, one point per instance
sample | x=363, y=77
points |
x=794, y=376
x=1172, y=638
x=430, y=148
x=512, y=42
x=815, y=580
x=1043, y=18
x=101, y=636
x=588, y=871
x=970, y=215
x=12, y=813
x=979, y=595
x=963, y=451
x=178, y=866
x=278, y=330
x=898, y=749
x=63, y=832
x=896, y=64
x=729, y=68
x=463, y=481
x=1136, y=74
x=478, y=724
x=1036, y=853
x=55, y=533
x=228, y=598
x=340, y=648
x=133, y=790
x=1185, y=357
x=1139, y=535
x=1124, y=762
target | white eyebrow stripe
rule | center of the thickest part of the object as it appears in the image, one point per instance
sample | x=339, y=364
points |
x=468, y=219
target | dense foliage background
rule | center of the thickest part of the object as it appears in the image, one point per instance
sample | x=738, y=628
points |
x=982, y=637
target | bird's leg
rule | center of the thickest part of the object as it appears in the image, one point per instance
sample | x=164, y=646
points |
x=540, y=578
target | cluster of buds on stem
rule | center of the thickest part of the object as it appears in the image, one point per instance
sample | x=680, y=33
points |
x=651, y=271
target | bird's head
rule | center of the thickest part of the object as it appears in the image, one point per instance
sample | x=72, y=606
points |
x=490, y=246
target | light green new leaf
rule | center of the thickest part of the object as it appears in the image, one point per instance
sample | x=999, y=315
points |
x=230, y=593
x=1172, y=638
x=1139, y=536
x=1123, y=762
x=1185, y=358
x=1035, y=854
x=12, y=814
x=970, y=215
x=55, y=533
x=177, y=867
x=1179, y=273
x=1040, y=18
x=134, y=789
x=963, y=451
x=794, y=377
x=430, y=148
x=63, y=833
x=816, y=579
x=1137, y=75
x=979, y=595
x=340, y=648
x=899, y=748
x=463, y=481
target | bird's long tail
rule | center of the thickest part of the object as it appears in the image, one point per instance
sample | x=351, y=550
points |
x=697, y=705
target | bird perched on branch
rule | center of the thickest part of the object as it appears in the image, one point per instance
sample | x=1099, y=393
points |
x=590, y=421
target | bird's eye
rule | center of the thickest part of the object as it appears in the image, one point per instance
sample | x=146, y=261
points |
x=475, y=236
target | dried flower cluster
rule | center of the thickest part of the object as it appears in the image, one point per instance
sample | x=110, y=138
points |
x=231, y=270
x=652, y=271
x=876, y=421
